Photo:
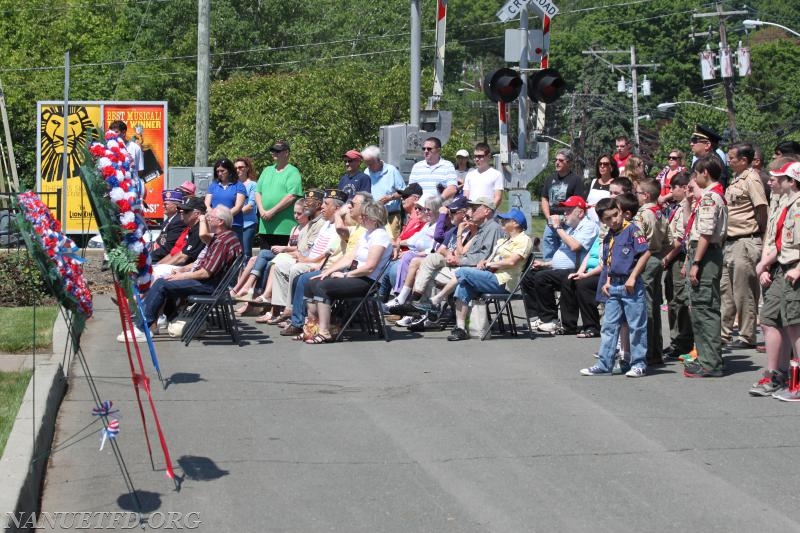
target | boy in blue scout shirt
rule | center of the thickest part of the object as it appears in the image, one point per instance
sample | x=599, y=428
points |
x=625, y=253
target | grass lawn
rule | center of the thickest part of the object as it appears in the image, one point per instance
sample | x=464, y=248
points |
x=12, y=389
x=16, y=328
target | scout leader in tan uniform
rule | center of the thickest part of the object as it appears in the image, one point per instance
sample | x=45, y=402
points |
x=787, y=244
x=653, y=224
x=707, y=229
x=747, y=218
x=776, y=339
x=681, y=336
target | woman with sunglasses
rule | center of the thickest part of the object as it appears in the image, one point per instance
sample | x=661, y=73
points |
x=247, y=177
x=226, y=190
x=605, y=171
x=664, y=177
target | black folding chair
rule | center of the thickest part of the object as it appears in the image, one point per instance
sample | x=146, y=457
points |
x=215, y=308
x=501, y=303
x=368, y=310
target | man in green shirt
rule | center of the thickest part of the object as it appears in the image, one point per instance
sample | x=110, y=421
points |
x=278, y=187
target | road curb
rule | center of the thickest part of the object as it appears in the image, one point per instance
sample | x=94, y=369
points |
x=25, y=457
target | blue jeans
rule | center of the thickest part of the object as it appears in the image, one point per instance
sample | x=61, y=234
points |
x=550, y=243
x=248, y=234
x=261, y=268
x=388, y=279
x=623, y=307
x=163, y=292
x=473, y=282
x=298, y=300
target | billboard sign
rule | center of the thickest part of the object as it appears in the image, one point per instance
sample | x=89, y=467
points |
x=147, y=126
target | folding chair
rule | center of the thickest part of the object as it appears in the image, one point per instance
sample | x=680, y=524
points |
x=369, y=311
x=502, y=305
x=218, y=306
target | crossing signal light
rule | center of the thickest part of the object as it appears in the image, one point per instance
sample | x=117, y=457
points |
x=546, y=86
x=502, y=85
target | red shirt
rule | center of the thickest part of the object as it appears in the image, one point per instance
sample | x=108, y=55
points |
x=621, y=162
x=222, y=251
x=413, y=225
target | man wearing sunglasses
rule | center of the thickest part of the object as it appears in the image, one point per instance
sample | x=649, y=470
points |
x=278, y=187
x=434, y=171
x=484, y=180
x=705, y=141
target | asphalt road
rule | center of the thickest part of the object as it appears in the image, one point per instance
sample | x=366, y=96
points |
x=420, y=434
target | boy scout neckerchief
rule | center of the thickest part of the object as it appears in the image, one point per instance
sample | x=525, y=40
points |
x=625, y=224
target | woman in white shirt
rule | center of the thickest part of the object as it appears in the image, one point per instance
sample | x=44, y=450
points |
x=352, y=275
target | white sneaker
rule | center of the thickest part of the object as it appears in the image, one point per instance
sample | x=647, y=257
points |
x=162, y=321
x=136, y=336
x=535, y=323
x=548, y=327
x=635, y=372
x=405, y=321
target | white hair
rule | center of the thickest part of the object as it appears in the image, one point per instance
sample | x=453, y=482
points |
x=371, y=152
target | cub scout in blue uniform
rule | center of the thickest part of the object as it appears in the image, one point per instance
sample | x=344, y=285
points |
x=625, y=254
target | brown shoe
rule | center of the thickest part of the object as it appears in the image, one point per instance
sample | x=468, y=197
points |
x=290, y=331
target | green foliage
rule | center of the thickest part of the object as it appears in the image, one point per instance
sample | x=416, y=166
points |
x=20, y=280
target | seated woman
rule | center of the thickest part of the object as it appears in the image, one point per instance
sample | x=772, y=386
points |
x=419, y=244
x=495, y=275
x=365, y=261
x=254, y=275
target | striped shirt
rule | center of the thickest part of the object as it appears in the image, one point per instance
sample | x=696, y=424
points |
x=222, y=251
x=429, y=176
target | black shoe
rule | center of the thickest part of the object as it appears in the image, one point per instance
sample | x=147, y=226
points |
x=458, y=334
x=739, y=344
x=696, y=370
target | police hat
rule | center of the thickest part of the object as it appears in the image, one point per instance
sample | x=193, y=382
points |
x=704, y=132
x=336, y=194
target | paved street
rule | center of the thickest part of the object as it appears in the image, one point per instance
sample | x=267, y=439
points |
x=420, y=434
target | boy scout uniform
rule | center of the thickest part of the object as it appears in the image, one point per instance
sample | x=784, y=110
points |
x=681, y=335
x=742, y=252
x=787, y=239
x=653, y=224
x=711, y=220
x=771, y=308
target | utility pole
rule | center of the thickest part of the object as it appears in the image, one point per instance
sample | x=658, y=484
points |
x=726, y=79
x=632, y=68
x=416, y=43
x=203, y=78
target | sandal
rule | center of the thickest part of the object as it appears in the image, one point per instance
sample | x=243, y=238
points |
x=300, y=337
x=588, y=333
x=278, y=319
x=264, y=319
x=319, y=339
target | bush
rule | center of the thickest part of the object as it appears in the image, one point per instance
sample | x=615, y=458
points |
x=21, y=281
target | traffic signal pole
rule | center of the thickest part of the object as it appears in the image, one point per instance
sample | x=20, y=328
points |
x=522, y=138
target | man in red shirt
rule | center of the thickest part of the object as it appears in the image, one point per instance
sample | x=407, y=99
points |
x=622, y=152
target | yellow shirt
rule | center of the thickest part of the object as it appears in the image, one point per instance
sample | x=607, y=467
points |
x=521, y=245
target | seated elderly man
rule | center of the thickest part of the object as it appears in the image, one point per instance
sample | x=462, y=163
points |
x=171, y=228
x=576, y=233
x=496, y=275
x=187, y=247
x=222, y=251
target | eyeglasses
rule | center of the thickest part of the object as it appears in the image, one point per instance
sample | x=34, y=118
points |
x=420, y=208
x=673, y=157
x=697, y=140
x=220, y=170
x=605, y=163
x=479, y=156
x=276, y=151
x=561, y=160
x=240, y=167
x=428, y=148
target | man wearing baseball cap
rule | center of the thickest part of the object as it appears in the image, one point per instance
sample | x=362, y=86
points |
x=576, y=234
x=779, y=271
x=353, y=179
x=171, y=228
x=278, y=188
